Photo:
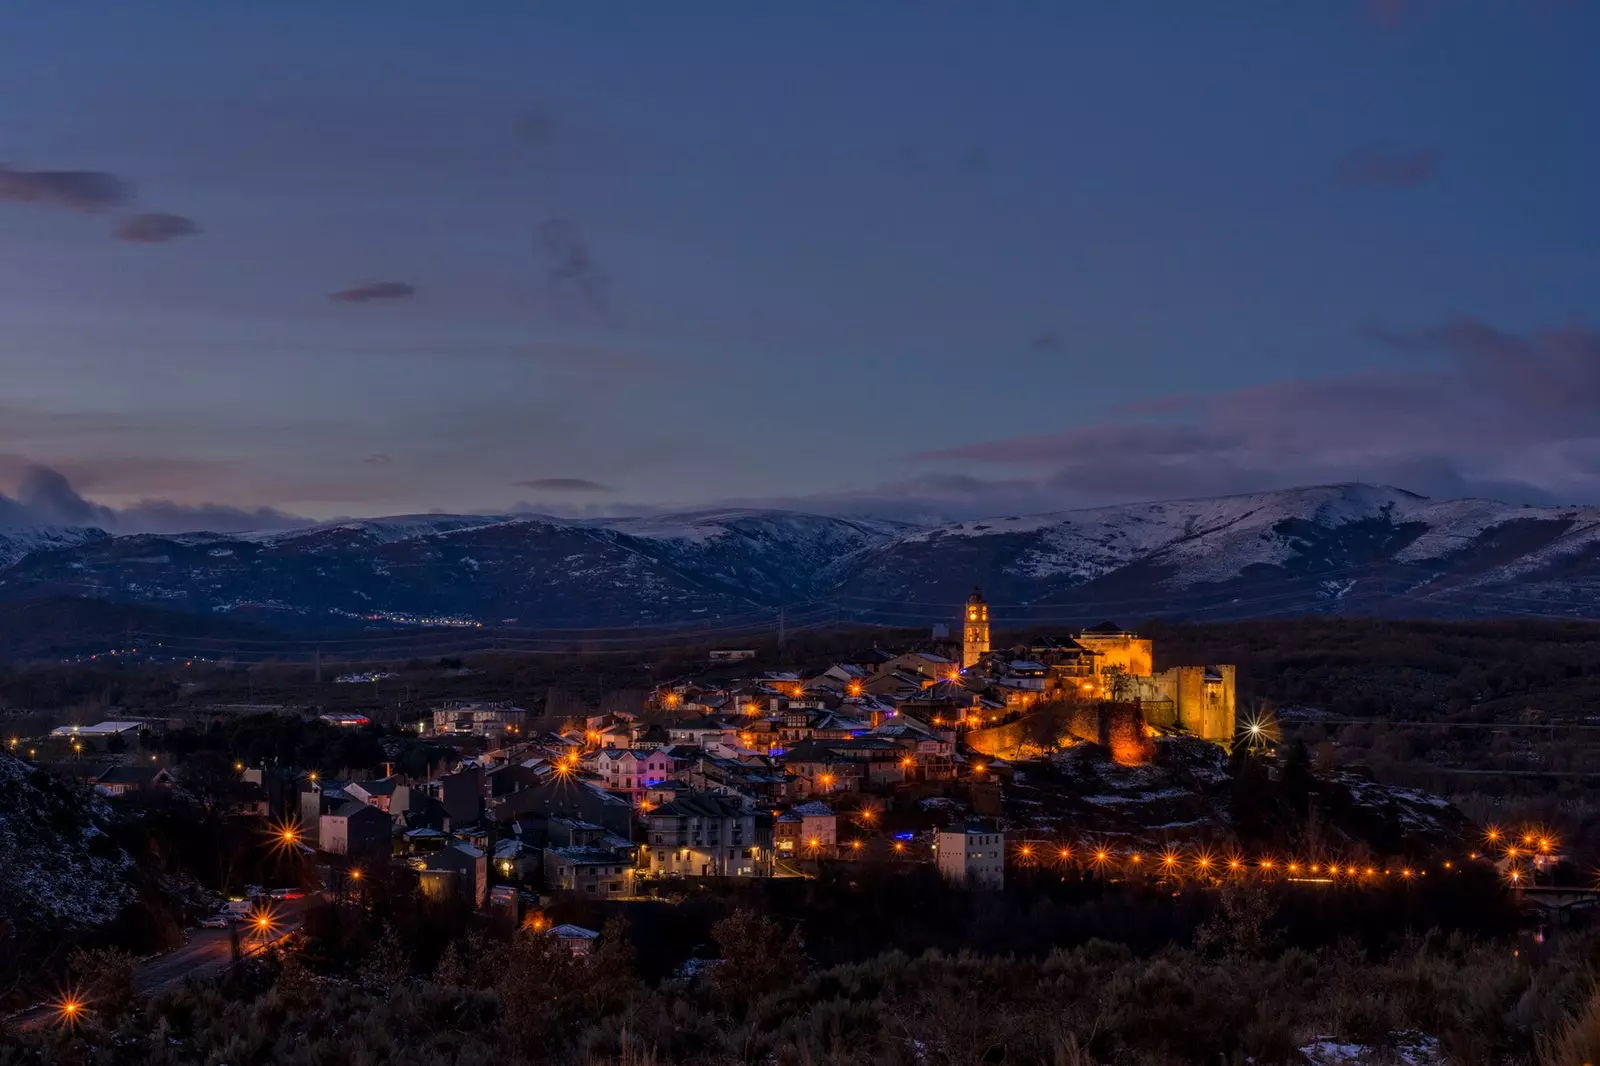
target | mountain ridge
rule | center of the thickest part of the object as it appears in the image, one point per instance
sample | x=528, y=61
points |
x=1341, y=548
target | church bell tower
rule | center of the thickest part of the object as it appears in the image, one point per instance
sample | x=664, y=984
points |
x=974, y=629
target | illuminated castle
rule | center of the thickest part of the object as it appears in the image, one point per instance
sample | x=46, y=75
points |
x=974, y=630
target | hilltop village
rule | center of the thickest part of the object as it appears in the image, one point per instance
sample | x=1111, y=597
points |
x=724, y=772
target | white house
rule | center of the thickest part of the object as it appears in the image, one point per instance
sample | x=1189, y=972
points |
x=632, y=771
x=972, y=857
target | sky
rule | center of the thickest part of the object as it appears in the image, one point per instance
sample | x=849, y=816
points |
x=261, y=262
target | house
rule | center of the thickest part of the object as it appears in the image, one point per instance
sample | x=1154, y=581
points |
x=819, y=827
x=753, y=779
x=632, y=771
x=488, y=719
x=924, y=664
x=316, y=799
x=126, y=730
x=575, y=938
x=121, y=780
x=377, y=793
x=462, y=795
x=703, y=835
x=844, y=765
x=972, y=856
x=514, y=859
x=713, y=734
x=589, y=871
x=731, y=655
x=343, y=720
x=564, y=796
x=809, y=831
x=357, y=829
x=457, y=869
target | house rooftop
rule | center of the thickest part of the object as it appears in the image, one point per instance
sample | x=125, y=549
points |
x=573, y=932
x=585, y=856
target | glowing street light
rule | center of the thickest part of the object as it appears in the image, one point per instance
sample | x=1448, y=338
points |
x=69, y=1010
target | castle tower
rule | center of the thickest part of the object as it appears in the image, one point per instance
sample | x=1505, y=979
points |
x=974, y=629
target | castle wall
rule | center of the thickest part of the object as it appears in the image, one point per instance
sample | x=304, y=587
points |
x=1135, y=655
x=1118, y=726
x=1205, y=708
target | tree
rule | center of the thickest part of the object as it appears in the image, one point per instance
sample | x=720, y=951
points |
x=387, y=964
x=757, y=957
x=212, y=779
x=104, y=979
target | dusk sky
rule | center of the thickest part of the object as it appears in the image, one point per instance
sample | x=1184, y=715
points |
x=917, y=260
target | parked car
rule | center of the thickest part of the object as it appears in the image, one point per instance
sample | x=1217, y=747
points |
x=217, y=921
x=285, y=893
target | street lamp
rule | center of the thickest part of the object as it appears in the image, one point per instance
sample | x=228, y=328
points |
x=69, y=1010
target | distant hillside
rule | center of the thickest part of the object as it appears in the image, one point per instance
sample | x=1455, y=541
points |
x=1338, y=549
x=62, y=627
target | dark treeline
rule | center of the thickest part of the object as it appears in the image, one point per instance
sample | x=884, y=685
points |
x=853, y=970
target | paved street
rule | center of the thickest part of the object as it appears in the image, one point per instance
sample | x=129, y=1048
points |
x=207, y=951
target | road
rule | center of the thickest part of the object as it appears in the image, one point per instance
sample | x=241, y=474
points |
x=206, y=951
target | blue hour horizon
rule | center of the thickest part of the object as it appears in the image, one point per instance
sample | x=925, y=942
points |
x=264, y=267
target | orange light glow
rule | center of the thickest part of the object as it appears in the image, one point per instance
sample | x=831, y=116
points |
x=69, y=1010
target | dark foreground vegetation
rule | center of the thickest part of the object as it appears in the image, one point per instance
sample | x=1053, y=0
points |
x=1234, y=995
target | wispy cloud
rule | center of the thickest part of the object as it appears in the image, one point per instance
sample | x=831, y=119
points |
x=374, y=290
x=1399, y=169
x=1473, y=409
x=571, y=271
x=70, y=190
x=563, y=484
x=155, y=228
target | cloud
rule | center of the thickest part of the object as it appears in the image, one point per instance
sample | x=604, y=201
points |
x=374, y=290
x=570, y=269
x=155, y=228
x=46, y=498
x=1046, y=339
x=1472, y=409
x=564, y=484
x=71, y=190
x=377, y=459
x=1390, y=167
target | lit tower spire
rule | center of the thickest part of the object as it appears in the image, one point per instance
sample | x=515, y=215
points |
x=974, y=629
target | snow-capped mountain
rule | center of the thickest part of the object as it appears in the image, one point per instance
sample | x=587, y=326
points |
x=16, y=542
x=1345, y=548
x=1357, y=549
